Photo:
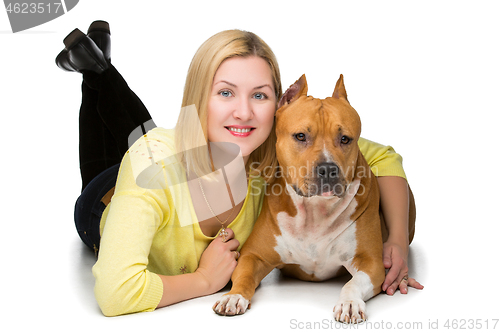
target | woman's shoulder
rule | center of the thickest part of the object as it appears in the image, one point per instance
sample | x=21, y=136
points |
x=162, y=132
x=371, y=147
x=147, y=158
x=163, y=135
x=157, y=144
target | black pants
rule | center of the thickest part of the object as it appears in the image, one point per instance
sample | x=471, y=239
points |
x=109, y=113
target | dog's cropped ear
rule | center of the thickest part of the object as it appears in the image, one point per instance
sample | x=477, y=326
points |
x=296, y=90
x=339, y=91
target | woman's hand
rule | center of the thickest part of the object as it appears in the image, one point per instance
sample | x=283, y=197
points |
x=214, y=271
x=218, y=262
x=396, y=260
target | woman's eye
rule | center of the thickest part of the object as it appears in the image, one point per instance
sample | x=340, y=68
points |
x=300, y=136
x=225, y=93
x=259, y=96
x=345, y=140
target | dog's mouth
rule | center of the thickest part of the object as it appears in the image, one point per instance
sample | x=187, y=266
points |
x=328, y=194
x=323, y=190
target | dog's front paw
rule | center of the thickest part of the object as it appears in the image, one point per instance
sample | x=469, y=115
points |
x=230, y=305
x=350, y=311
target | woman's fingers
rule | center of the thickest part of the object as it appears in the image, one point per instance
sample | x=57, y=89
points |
x=391, y=279
x=387, y=257
x=396, y=275
x=414, y=284
x=229, y=241
x=403, y=285
x=225, y=234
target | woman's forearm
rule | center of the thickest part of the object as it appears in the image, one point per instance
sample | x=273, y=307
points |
x=182, y=287
x=394, y=201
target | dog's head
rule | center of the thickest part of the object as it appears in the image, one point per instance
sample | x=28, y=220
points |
x=317, y=145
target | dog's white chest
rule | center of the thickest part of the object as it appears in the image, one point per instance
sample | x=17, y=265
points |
x=321, y=237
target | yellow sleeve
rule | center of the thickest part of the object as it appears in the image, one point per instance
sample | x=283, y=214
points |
x=123, y=284
x=383, y=160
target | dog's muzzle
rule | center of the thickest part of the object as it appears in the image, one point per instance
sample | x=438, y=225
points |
x=325, y=180
x=329, y=181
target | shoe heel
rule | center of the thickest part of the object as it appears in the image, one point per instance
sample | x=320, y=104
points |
x=99, y=26
x=73, y=38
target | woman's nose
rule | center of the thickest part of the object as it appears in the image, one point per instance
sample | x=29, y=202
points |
x=244, y=110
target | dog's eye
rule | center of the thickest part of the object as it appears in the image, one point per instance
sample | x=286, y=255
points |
x=300, y=136
x=345, y=140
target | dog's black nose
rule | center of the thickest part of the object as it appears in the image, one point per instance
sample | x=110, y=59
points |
x=327, y=171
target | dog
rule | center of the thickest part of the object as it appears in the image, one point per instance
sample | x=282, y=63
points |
x=326, y=220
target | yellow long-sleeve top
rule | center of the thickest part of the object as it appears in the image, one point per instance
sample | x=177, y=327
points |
x=143, y=235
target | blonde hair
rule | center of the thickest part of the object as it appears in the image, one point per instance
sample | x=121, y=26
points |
x=206, y=61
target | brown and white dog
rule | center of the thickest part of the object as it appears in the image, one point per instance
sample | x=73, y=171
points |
x=326, y=217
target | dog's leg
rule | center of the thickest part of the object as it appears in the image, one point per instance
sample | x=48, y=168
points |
x=258, y=259
x=368, y=274
x=250, y=270
x=350, y=307
x=367, y=270
x=366, y=267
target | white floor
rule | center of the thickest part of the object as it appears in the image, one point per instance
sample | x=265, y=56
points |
x=279, y=304
x=52, y=286
x=282, y=304
x=424, y=77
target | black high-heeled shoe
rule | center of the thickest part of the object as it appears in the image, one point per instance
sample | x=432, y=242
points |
x=81, y=53
x=99, y=32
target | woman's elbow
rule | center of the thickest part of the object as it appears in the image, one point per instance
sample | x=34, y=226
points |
x=137, y=294
x=109, y=301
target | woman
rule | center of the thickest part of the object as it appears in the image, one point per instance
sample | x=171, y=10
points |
x=149, y=256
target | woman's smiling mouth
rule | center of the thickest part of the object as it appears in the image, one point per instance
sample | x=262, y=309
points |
x=240, y=131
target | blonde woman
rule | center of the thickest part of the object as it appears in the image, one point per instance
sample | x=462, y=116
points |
x=153, y=248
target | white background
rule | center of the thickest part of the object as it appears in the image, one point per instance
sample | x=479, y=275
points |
x=423, y=75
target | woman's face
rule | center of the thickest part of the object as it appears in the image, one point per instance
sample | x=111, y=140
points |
x=242, y=103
